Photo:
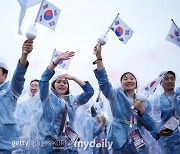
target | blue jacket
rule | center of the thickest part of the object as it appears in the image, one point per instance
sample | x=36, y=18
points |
x=54, y=106
x=167, y=109
x=9, y=92
x=73, y=102
x=121, y=110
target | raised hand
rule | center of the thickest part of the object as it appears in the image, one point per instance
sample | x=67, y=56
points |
x=97, y=50
x=66, y=55
x=27, y=46
x=138, y=106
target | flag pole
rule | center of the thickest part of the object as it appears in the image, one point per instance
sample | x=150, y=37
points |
x=99, y=92
x=111, y=24
x=174, y=24
x=38, y=12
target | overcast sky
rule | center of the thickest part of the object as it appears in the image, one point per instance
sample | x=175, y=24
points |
x=80, y=24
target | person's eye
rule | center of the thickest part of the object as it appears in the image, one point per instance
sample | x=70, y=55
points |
x=65, y=82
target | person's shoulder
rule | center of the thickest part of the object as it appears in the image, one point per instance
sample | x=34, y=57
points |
x=178, y=90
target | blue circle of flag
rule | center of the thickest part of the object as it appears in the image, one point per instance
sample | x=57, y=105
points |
x=119, y=31
x=48, y=15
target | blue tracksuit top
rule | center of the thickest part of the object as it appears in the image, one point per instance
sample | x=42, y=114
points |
x=121, y=111
x=9, y=92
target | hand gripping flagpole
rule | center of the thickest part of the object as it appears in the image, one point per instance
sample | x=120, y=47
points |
x=103, y=38
x=32, y=30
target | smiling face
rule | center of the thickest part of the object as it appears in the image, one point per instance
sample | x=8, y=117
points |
x=168, y=82
x=34, y=87
x=128, y=82
x=61, y=86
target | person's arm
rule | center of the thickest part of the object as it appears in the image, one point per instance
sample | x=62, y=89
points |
x=85, y=85
x=48, y=74
x=147, y=121
x=143, y=116
x=75, y=79
x=102, y=77
x=63, y=56
x=17, y=82
x=97, y=50
x=26, y=49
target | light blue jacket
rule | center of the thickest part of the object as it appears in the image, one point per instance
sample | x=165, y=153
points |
x=169, y=108
x=53, y=108
x=73, y=102
x=121, y=110
x=92, y=129
x=54, y=105
x=9, y=92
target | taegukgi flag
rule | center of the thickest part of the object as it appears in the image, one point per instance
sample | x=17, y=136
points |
x=24, y=5
x=151, y=87
x=174, y=35
x=63, y=64
x=48, y=15
x=123, y=31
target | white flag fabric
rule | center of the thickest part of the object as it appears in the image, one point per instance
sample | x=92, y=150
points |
x=48, y=15
x=99, y=105
x=63, y=64
x=150, y=88
x=123, y=31
x=24, y=5
x=174, y=35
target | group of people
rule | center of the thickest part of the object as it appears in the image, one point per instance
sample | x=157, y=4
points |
x=45, y=115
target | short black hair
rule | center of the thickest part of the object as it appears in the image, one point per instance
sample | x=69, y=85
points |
x=35, y=80
x=4, y=70
x=168, y=72
x=172, y=73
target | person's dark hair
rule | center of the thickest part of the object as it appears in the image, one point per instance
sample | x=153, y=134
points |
x=35, y=80
x=124, y=75
x=93, y=111
x=4, y=71
x=172, y=73
x=53, y=83
x=168, y=72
